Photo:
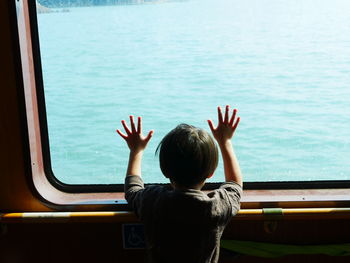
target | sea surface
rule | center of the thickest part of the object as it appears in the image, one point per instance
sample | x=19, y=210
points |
x=284, y=64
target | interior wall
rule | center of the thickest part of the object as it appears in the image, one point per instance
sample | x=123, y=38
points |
x=103, y=242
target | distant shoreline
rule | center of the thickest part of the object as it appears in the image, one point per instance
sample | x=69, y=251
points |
x=47, y=4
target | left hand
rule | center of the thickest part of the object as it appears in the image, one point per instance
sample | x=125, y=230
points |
x=134, y=138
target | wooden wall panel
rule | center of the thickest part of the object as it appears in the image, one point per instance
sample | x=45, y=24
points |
x=12, y=159
x=102, y=242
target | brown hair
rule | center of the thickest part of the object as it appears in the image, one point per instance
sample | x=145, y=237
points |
x=187, y=155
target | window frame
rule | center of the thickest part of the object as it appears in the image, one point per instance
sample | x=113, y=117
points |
x=112, y=188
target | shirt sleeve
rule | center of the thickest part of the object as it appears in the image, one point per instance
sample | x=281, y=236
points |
x=233, y=192
x=140, y=198
x=133, y=189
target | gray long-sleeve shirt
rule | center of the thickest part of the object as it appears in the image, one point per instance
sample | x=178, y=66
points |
x=182, y=226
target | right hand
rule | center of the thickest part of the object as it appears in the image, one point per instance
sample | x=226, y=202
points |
x=226, y=126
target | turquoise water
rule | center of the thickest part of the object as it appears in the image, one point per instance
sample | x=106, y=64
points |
x=284, y=64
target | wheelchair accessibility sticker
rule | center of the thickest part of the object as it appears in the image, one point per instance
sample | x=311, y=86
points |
x=133, y=236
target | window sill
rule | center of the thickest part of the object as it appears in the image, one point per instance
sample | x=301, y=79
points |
x=252, y=199
x=296, y=198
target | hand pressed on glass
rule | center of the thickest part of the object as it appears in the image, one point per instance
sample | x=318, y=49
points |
x=223, y=134
x=226, y=126
x=136, y=143
x=134, y=138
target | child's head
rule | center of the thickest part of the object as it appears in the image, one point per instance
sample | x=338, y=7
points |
x=187, y=155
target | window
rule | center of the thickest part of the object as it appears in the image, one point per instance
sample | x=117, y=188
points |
x=283, y=64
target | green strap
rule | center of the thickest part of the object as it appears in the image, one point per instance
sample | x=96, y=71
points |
x=270, y=250
x=272, y=213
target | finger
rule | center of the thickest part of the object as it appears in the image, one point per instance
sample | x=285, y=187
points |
x=121, y=134
x=132, y=124
x=219, y=115
x=149, y=136
x=227, y=110
x=126, y=127
x=211, y=126
x=233, y=116
x=236, y=124
x=139, y=125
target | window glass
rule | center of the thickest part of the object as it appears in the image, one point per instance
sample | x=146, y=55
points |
x=284, y=64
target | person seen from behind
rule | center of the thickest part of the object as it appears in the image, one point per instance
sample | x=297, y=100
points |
x=181, y=222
